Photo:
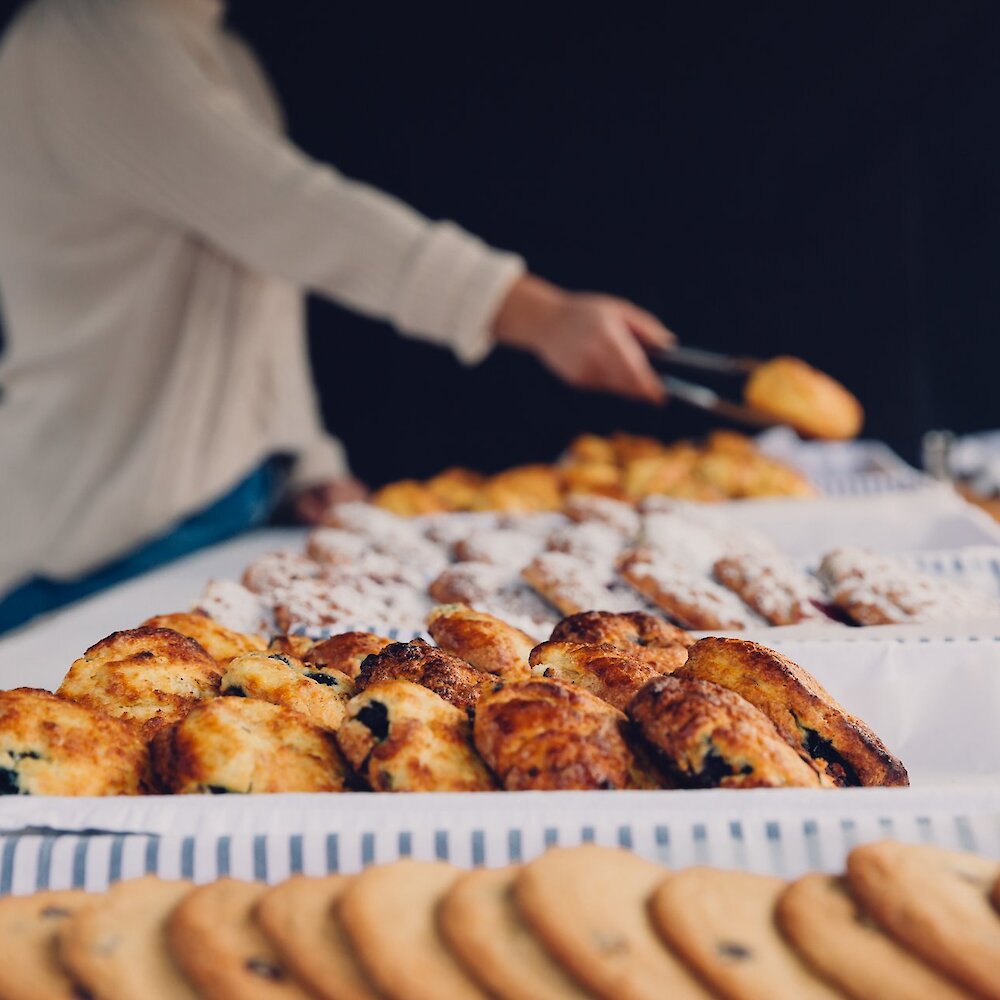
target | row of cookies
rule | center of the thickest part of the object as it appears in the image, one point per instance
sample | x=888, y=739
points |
x=183, y=705
x=905, y=922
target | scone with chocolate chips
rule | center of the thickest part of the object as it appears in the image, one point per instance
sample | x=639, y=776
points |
x=643, y=636
x=544, y=734
x=150, y=677
x=802, y=710
x=51, y=746
x=446, y=675
x=321, y=696
x=221, y=643
x=242, y=745
x=704, y=736
x=485, y=641
x=345, y=652
x=402, y=737
x=613, y=676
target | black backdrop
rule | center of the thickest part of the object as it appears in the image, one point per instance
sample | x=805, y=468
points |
x=813, y=178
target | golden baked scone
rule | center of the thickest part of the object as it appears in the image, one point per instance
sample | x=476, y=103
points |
x=810, y=401
x=630, y=447
x=345, y=652
x=658, y=473
x=730, y=442
x=222, y=644
x=321, y=696
x=150, y=677
x=770, y=478
x=51, y=746
x=523, y=488
x=408, y=498
x=242, y=745
x=593, y=448
x=485, y=641
x=705, y=736
x=592, y=478
x=802, y=710
x=604, y=671
x=456, y=488
x=453, y=679
x=291, y=645
x=402, y=737
x=543, y=734
x=643, y=636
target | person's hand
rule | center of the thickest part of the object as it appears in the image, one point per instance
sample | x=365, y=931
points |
x=310, y=505
x=590, y=341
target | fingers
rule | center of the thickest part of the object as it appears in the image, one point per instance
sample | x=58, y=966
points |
x=648, y=330
x=638, y=379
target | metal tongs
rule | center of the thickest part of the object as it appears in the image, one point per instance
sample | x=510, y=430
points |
x=701, y=396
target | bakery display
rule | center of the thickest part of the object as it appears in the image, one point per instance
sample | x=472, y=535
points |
x=905, y=921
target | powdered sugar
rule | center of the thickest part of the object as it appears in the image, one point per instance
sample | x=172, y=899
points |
x=771, y=585
x=234, y=606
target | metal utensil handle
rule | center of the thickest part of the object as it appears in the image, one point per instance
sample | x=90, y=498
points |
x=704, y=398
x=713, y=361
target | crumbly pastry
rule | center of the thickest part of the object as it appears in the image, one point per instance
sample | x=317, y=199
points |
x=587, y=906
x=456, y=488
x=241, y=745
x=773, y=587
x=402, y=737
x=721, y=923
x=221, y=643
x=277, y=570
x=334, y=546
x=447, y=676
x=810, y=401
x=687, y=596
x=235, y=607
x=213, y=936
x=590, y=541
x=937, y=904
x=592, y=478
x=616, y=514
x=344, y=653
x=572, y=585
x=499, y=547
x=401, y=900
x=523, y=488
x=707, y=737
x=29, y=962
x=643, y=636
x=593, y=448
x=496, y=590
x=116, y=947
x=321, y=697
x=298, y=646
x=613, y=676
x=482, y=639
x=480, y=923
x=832, y=934
x=408, y=498
x=877, y=590
x=803, y=711
x=51, y=746
x=149, y=677
x=541, y=734
x=301, y=920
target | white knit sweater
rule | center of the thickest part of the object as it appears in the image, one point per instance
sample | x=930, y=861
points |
x=156, y=232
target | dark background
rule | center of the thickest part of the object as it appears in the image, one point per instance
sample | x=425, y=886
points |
x=820, y=179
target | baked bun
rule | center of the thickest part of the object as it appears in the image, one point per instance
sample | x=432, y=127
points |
x=291, y=645
x=221, y=643
x=402, y=737
x=802, y=397
x=487, y=642
x=456, y=488
x=707, y=737
x=243, y=745
x=802, y=710
x=408, y=498
x=345, y=652
x=453, y=679
x=541, y=734
x=643, y=636
x=604, y=671
x=321, y=697
x=150, y=677
x=51, y=746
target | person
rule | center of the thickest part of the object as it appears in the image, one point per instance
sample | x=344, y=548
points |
x=157, y=233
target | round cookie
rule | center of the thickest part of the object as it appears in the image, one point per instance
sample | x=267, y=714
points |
x=242, y=745
x=936, y=903
x=213, y=936
x=402, y=737
x=321, y=696
x=51, y=746
x=587, y=906
x=721, y=923
x=221, y=643
x=705, y=736
x=29, y=962
x=301, y=919
x=832, y=934
x=479, y=921
x=150, y=677
x=345, y=652
x=115, y=947
x=485, y=641
x=389, y=914
x=644, y=636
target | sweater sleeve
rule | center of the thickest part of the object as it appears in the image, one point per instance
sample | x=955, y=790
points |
x=130, y=112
